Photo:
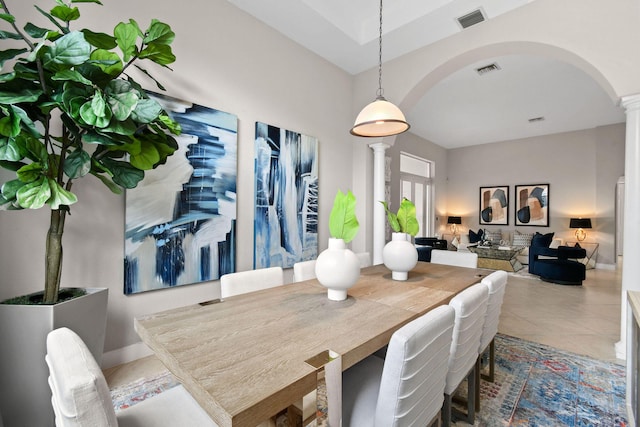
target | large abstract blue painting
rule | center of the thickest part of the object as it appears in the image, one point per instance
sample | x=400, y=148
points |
x=181, y=218
x=286, y=216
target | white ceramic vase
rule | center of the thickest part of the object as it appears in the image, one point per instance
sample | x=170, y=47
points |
x=337, y=269
x=400, y=256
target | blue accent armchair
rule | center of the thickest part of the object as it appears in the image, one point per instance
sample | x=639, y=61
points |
x=558, y=265
x=424, y=245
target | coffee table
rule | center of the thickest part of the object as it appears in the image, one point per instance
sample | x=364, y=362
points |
x=498, y=258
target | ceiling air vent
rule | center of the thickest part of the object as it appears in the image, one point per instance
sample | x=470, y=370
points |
x=471, y=18
x=488, y=68
x=536, y=119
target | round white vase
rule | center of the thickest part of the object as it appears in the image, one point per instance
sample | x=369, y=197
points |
x=337, y=269
x=400, y=256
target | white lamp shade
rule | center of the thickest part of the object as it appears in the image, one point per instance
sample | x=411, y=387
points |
x=380, y=118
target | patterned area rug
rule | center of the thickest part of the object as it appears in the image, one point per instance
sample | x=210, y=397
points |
x=535, y=385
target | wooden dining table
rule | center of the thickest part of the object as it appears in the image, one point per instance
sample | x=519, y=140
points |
x=244, y=359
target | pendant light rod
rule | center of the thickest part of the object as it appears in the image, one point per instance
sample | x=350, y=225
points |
x=381, y=117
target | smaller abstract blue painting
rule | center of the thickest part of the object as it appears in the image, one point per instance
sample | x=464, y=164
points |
x=286, y=186
x=180, y=221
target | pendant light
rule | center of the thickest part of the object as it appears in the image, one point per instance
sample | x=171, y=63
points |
x=381, y=117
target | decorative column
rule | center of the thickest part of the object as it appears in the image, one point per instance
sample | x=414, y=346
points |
x=631, y=245
x=379, y=150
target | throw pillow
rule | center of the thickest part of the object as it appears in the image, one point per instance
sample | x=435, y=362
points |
x=543, y=240
x=522, y=239
x=494, y=236
x=475, y=237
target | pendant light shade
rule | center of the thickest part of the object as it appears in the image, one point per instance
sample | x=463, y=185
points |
x=381, y=117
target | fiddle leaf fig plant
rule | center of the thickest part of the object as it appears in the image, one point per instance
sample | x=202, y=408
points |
x=343, y=223
x=69, y=109
x=405, y=220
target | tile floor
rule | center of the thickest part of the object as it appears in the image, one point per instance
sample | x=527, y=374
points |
x=582, y=319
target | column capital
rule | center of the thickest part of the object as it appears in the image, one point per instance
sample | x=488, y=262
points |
x=630, y=102
x=379, y=146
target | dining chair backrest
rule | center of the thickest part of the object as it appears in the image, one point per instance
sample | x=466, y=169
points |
x=458, y=259
x=406, y=388
x=364, y=258
x=304, y=270
x=470, y=307
x=81, y=397
x=413, y=378
x=496, y=283
x=243, y=282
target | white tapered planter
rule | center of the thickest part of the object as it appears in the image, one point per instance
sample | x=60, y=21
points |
x=25, y=396
x=337, y=269
x=400, y=256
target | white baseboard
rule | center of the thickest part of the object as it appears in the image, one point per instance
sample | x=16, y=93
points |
x=125, y=354
x=605, y=266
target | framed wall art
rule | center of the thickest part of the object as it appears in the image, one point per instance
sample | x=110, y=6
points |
x=532, y=205
x=180, y=220
x=494, y=205
x=286, y=197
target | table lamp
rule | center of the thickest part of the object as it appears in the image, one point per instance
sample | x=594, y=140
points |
x=454, y=220
x=580, y=224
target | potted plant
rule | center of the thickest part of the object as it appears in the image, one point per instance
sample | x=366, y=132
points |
x=70, y=109
x=399, y=255
x=337, y=267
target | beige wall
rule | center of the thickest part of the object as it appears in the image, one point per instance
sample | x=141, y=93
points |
x=226, y=60
x=581, y=167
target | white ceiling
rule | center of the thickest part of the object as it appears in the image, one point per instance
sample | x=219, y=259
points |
x=465, y=108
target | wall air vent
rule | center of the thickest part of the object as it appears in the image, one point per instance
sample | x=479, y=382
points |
x=536, y=119
x=471, y=18
x=488, y=68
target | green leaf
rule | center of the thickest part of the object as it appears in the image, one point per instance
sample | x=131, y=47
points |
x=147, y=157
x=7, y=17
x=71, y=75
x=343, y=223
x=147, y=110
x=10, y=150
x=392, y=218
x=24, y=95
x=52, y=19
x=10, y=188
x=70, y=49
x=30, y=173
x=407, y=217
x=77, y=164
x=122, y=98
x=65, y=13
x=60, y=196
x=10, y=125
x=160, y=33
x=109, y=62
x=8, y=54
x=37, y=32
x=124, y=174
x=9, y=35
x=96, y=112
x=100, y=40
x=158, y=53
x=173, y=126
x=34, y=195
x=110, y=184
x=126, y=37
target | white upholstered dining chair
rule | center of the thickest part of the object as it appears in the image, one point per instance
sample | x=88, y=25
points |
x=243, y=282
x=81, y=397
x=304, y=270
x=470, y=308
x=458, y=259
x=496, y=283
x=406, y=388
